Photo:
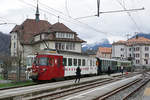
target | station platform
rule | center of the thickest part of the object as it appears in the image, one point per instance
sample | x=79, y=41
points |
x=91, y=94
x=48, y=86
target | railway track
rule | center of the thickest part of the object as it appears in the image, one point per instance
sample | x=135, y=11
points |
x=65, y=92
x=125, y=92
x=13, y=87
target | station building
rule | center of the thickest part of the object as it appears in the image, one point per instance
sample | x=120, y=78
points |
x=104, y=52
x=34, y=35
x=135, y=49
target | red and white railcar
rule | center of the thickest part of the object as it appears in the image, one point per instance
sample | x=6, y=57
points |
x=48, y=66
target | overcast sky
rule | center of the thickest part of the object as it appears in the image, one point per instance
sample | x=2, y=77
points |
x=113, y=26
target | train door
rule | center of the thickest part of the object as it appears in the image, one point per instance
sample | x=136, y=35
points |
x=99, y=65
x=59, y=68
x=51, y=70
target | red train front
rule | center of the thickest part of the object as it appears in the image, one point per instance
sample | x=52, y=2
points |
x=47, y=67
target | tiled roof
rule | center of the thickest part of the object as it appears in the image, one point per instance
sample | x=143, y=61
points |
x=105, y=50
x=134, y=41
x=29, y=28
x=138, y=40
x=15, y=28
x=120, y=42
x=60, y=27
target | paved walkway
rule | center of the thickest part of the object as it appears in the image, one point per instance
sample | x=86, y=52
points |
x=146, y=95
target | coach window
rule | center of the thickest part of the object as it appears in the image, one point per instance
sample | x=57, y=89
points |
x=90, y=62
x=83, y=62
x=69, y=61
x=43, y=61
x=75, y=62
x=65, y=61
x=79, y=62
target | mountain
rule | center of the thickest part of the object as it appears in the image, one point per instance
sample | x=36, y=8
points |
x=142, y=35
x=4, y=43
x=94, y=46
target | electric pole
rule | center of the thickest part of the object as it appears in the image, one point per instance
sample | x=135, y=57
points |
x=98, y=7
x=126, y=10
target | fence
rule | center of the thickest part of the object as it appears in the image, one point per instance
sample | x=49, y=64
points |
x=14, y=73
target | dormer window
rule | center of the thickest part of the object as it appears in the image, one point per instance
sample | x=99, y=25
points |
x=65, y=35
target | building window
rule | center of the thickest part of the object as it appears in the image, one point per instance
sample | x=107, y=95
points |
x=56, y=45
x=137, y=61
x=146, y=61
x=14, y=45
x=65, y=46
x=137, y=55
x=14, y=36
x=130, y=55
x=133, y=55
x=70, y=46
x=146, y=55
x=122, y=49
x=65, y=35
x=137, y=48
x=129, y=49
x=146, y=48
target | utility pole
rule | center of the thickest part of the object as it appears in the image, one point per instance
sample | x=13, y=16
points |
x=115, y=11
x=98, y=7
x=121, y=10
x=126, y=10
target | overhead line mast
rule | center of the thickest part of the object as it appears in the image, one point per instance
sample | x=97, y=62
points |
x=98, y=7
x=125, y=10
x=115, y=11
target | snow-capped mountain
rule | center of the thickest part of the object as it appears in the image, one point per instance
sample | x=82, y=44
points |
x=142, y=35
x=94, y=46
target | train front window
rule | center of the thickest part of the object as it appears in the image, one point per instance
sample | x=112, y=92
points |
x=43, y=61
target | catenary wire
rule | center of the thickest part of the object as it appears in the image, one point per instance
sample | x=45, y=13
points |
x=72, y=20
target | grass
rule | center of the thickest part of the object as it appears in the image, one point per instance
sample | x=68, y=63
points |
x=14, y=84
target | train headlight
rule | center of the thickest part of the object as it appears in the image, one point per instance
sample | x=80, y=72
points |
x=44, y=69
x=37, y=66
